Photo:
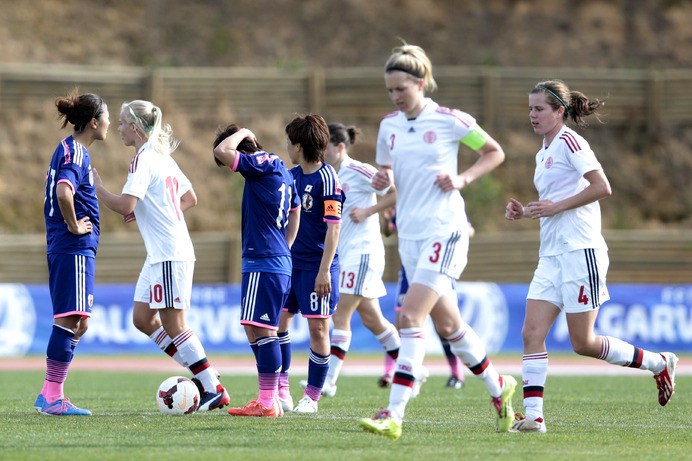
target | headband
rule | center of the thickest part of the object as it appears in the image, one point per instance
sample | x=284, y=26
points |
x=146, y=127
x=393, y=68
x=556, y=97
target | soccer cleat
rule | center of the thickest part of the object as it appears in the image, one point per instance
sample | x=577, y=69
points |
x=382, y=424
x=255, y=408
x=455, y=383
x=62, y=407
x=665, y=380
x=40, y=401
x=328, y=390
x=212, y=400
x=525, y=425
x=306, y=405
x=420, y=378
x=503, y=404
x=286, y=402
x=278, y=406
x=384, y=381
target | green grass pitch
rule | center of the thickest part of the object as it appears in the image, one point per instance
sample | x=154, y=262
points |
x=590, y=417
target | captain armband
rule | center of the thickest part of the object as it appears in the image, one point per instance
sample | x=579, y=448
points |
x=332, y=209
x=476, y=138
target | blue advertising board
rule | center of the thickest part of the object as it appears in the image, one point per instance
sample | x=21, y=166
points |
x=654, y=317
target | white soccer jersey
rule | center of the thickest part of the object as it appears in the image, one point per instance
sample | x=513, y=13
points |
x=560, y=170
x=418, y=150
x=158, y=183
x=361, y=238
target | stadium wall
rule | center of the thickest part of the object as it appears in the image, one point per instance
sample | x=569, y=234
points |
x=653, y=316
x=648, y=99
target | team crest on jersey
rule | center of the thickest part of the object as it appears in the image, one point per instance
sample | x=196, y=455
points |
x=548, y=163
x=430, y=137
x=344, y=187
x=307, y=201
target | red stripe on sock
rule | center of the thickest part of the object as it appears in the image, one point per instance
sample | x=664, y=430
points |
x=200, y=368
x=402, y=381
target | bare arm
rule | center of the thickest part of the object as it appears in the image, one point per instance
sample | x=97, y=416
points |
x=323, y=282
x=66, y=204
x=598, y=188
x=490, y=156
x=188, y=200
x=361, y=214
x=292, y=227
x=226, y=151
x=123, y=204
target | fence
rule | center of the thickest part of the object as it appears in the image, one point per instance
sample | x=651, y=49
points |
x=509, y=257
x=650, y=99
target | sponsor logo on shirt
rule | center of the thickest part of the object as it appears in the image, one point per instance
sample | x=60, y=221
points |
x=548, y=163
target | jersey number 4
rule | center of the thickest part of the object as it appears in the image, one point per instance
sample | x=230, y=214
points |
x=582, y=297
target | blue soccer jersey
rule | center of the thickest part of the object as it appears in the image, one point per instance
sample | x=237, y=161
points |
x=321, y=200
x=71, y=165
x=268, y=197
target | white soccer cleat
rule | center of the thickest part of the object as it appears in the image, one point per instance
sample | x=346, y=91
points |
x=328, y=390
x=306, y=405
x=665, y=380
x=286, y=403
x=418, y=381
x=528, y=426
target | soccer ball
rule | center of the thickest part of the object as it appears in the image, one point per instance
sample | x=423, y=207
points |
x=177, y=395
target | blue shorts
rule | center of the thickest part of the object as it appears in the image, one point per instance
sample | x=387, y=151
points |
x=263, y=297
x=304, y=299
x=71, y=284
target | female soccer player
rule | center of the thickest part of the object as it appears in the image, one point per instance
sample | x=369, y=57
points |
x=155, y=195
x=361, y=254
x=418, y=145
x=315, y=280
x=573, y=256
x=270, y=219
x=71, y=211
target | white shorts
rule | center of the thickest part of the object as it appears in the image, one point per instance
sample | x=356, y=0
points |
x=445, y=255
x=165, y=284
x=363, y=279
x=575, y=281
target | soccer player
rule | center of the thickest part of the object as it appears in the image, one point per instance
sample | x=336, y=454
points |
x=361, y=254
x=417, y=149
x=456, y=379
x=155, y=195
x=573, y=256
x=71, y=211
x=270, y=219
x=315, y=279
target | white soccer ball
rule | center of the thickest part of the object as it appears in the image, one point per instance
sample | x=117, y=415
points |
x=177, y=395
